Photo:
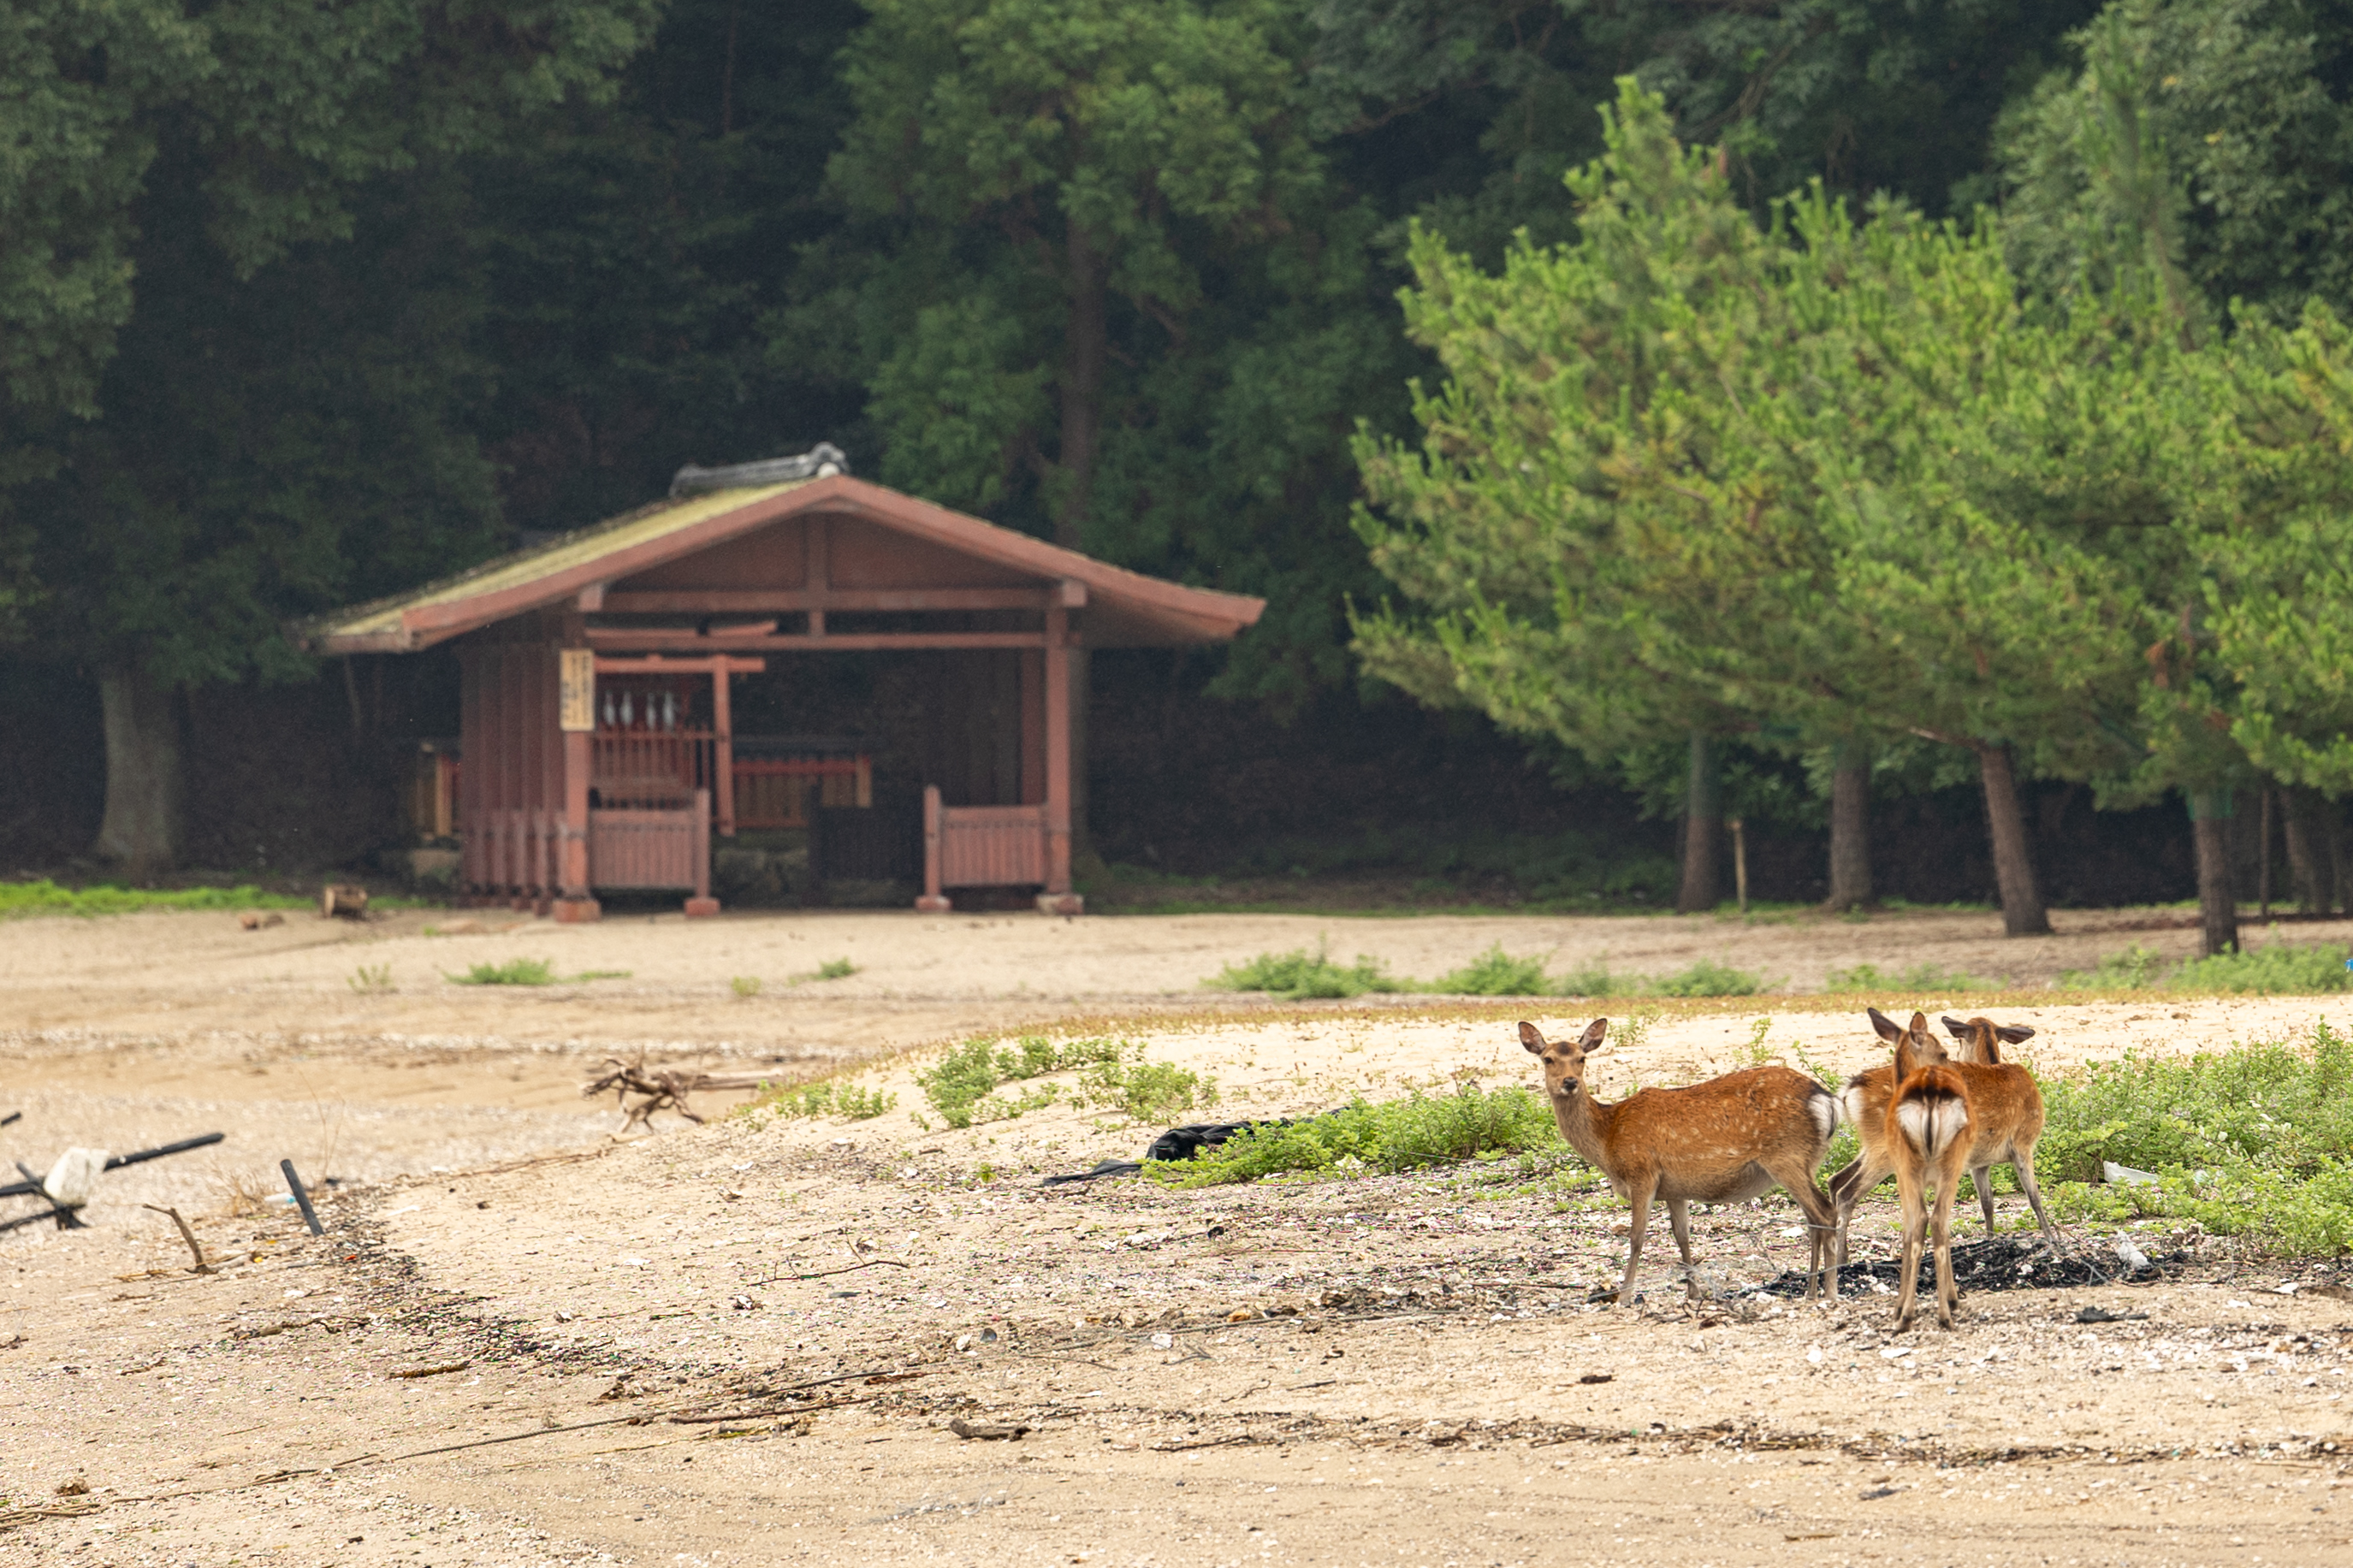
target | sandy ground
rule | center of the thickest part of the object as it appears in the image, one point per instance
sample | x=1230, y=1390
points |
x=750, y=1342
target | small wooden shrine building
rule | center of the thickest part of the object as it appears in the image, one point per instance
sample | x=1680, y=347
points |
x=598, y=750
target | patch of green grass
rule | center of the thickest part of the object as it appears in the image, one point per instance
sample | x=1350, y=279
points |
x=961, y=1084
x=2256, y=1141
x=2133, y=969
x=1147, y=1092
x=1595, y=980
x=746, y=986
x=1495, y=972
x=2275, y=969
x=847, y=1101
x=515, y=972
x=1299, y=974
x=832, y=969
x=1363, y=1138
x=529, y=971
x=19, y=899
x=370, y=979
x=1708, y=978
x=1914, y=979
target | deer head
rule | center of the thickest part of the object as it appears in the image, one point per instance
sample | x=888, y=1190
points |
x=1986, y=1037
x=1915, y=1048
x=1564, y=1060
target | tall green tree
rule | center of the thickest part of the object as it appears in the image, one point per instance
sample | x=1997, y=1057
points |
x=206, y=435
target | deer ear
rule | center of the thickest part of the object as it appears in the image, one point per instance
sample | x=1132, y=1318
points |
x=1595, y=1033
x=1957, y=1028
x=1888, y=1029
x=1531, y=1037
x=1919, y=1025
x=2015, y=1032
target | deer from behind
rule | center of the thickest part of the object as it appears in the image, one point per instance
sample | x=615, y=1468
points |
x=1722, y=1142
x=1865, y=1102
x=1949, y=1116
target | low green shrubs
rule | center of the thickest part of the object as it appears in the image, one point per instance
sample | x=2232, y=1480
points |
x=1301, y=976
x=1915, y=979
x=1363, y=1137
x=44, y=897
x=1112, y=1075
x=2277, y=968
x=1495, y=972
x=847, y=1101
x=2254, y=1140
x=513, y=971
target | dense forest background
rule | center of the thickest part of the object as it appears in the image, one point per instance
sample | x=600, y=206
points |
x=302, y=306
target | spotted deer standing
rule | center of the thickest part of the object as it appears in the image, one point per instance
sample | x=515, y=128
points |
x=1947, y=1115
x=1722, y=1142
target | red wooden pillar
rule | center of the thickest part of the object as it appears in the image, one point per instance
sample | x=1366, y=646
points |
x=576, y=719
x=1058, y=898
x=1033, y=726
x=722, y=747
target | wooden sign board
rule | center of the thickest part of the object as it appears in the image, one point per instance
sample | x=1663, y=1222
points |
x=577, y=689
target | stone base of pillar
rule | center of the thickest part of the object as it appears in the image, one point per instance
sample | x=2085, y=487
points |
x=576, y=912
x=934, y=904
x=697, y=909
x=1061, y=904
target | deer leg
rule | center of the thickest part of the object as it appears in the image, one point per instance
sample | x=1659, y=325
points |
x=1822, y=1224
x=1679, y=1221
x=1948, y=1188
x=1640, y=1196
x=1848, y=1189
x=1916, y=1225
x=1981, y=1178
x=2022, y=1161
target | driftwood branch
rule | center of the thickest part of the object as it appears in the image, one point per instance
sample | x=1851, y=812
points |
x=661, y=1089
x=186, y=1235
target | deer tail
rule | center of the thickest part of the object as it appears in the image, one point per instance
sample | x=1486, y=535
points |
x=1932, y=1117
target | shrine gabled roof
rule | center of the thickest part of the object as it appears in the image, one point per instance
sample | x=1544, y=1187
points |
x=1136, y=609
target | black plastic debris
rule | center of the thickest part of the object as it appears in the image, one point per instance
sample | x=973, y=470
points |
x=1997, y=1263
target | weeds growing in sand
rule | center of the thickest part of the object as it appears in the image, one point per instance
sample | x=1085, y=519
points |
x=1708, y=978
x=1914, y=979
x=1365, y=1137
x=370, y=979
x=513, y=971
x=529, y=971
x=746, y=986
x=2275, y=969
x=1113, y=1075
x=832, y=969
x=1495, y=972
x=850, y=1102
x=1300, y=975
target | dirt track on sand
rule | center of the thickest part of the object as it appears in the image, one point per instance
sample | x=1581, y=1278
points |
x=1417, y=1383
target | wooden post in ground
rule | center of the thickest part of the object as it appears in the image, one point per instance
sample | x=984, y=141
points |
x=933, y=901
x=702, y=903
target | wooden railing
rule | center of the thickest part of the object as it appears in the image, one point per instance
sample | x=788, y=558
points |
x=774, y=791
x=652, y=847
x=650, y=767
x=980, y=846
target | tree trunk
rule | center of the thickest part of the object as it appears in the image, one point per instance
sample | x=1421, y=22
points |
x=140, y=829
x=2218, y=899
x=2022, y=914
x=1850, y=828
x=1086, y=348
x=2311, y=874
x=1703, y=822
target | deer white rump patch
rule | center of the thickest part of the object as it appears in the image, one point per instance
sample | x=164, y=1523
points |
x=1826, y=1113
x=1931, y=1125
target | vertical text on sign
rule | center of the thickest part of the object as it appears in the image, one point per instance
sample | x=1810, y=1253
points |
x=577, y=686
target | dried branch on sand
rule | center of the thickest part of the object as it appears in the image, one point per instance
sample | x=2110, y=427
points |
x=662, y=1089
